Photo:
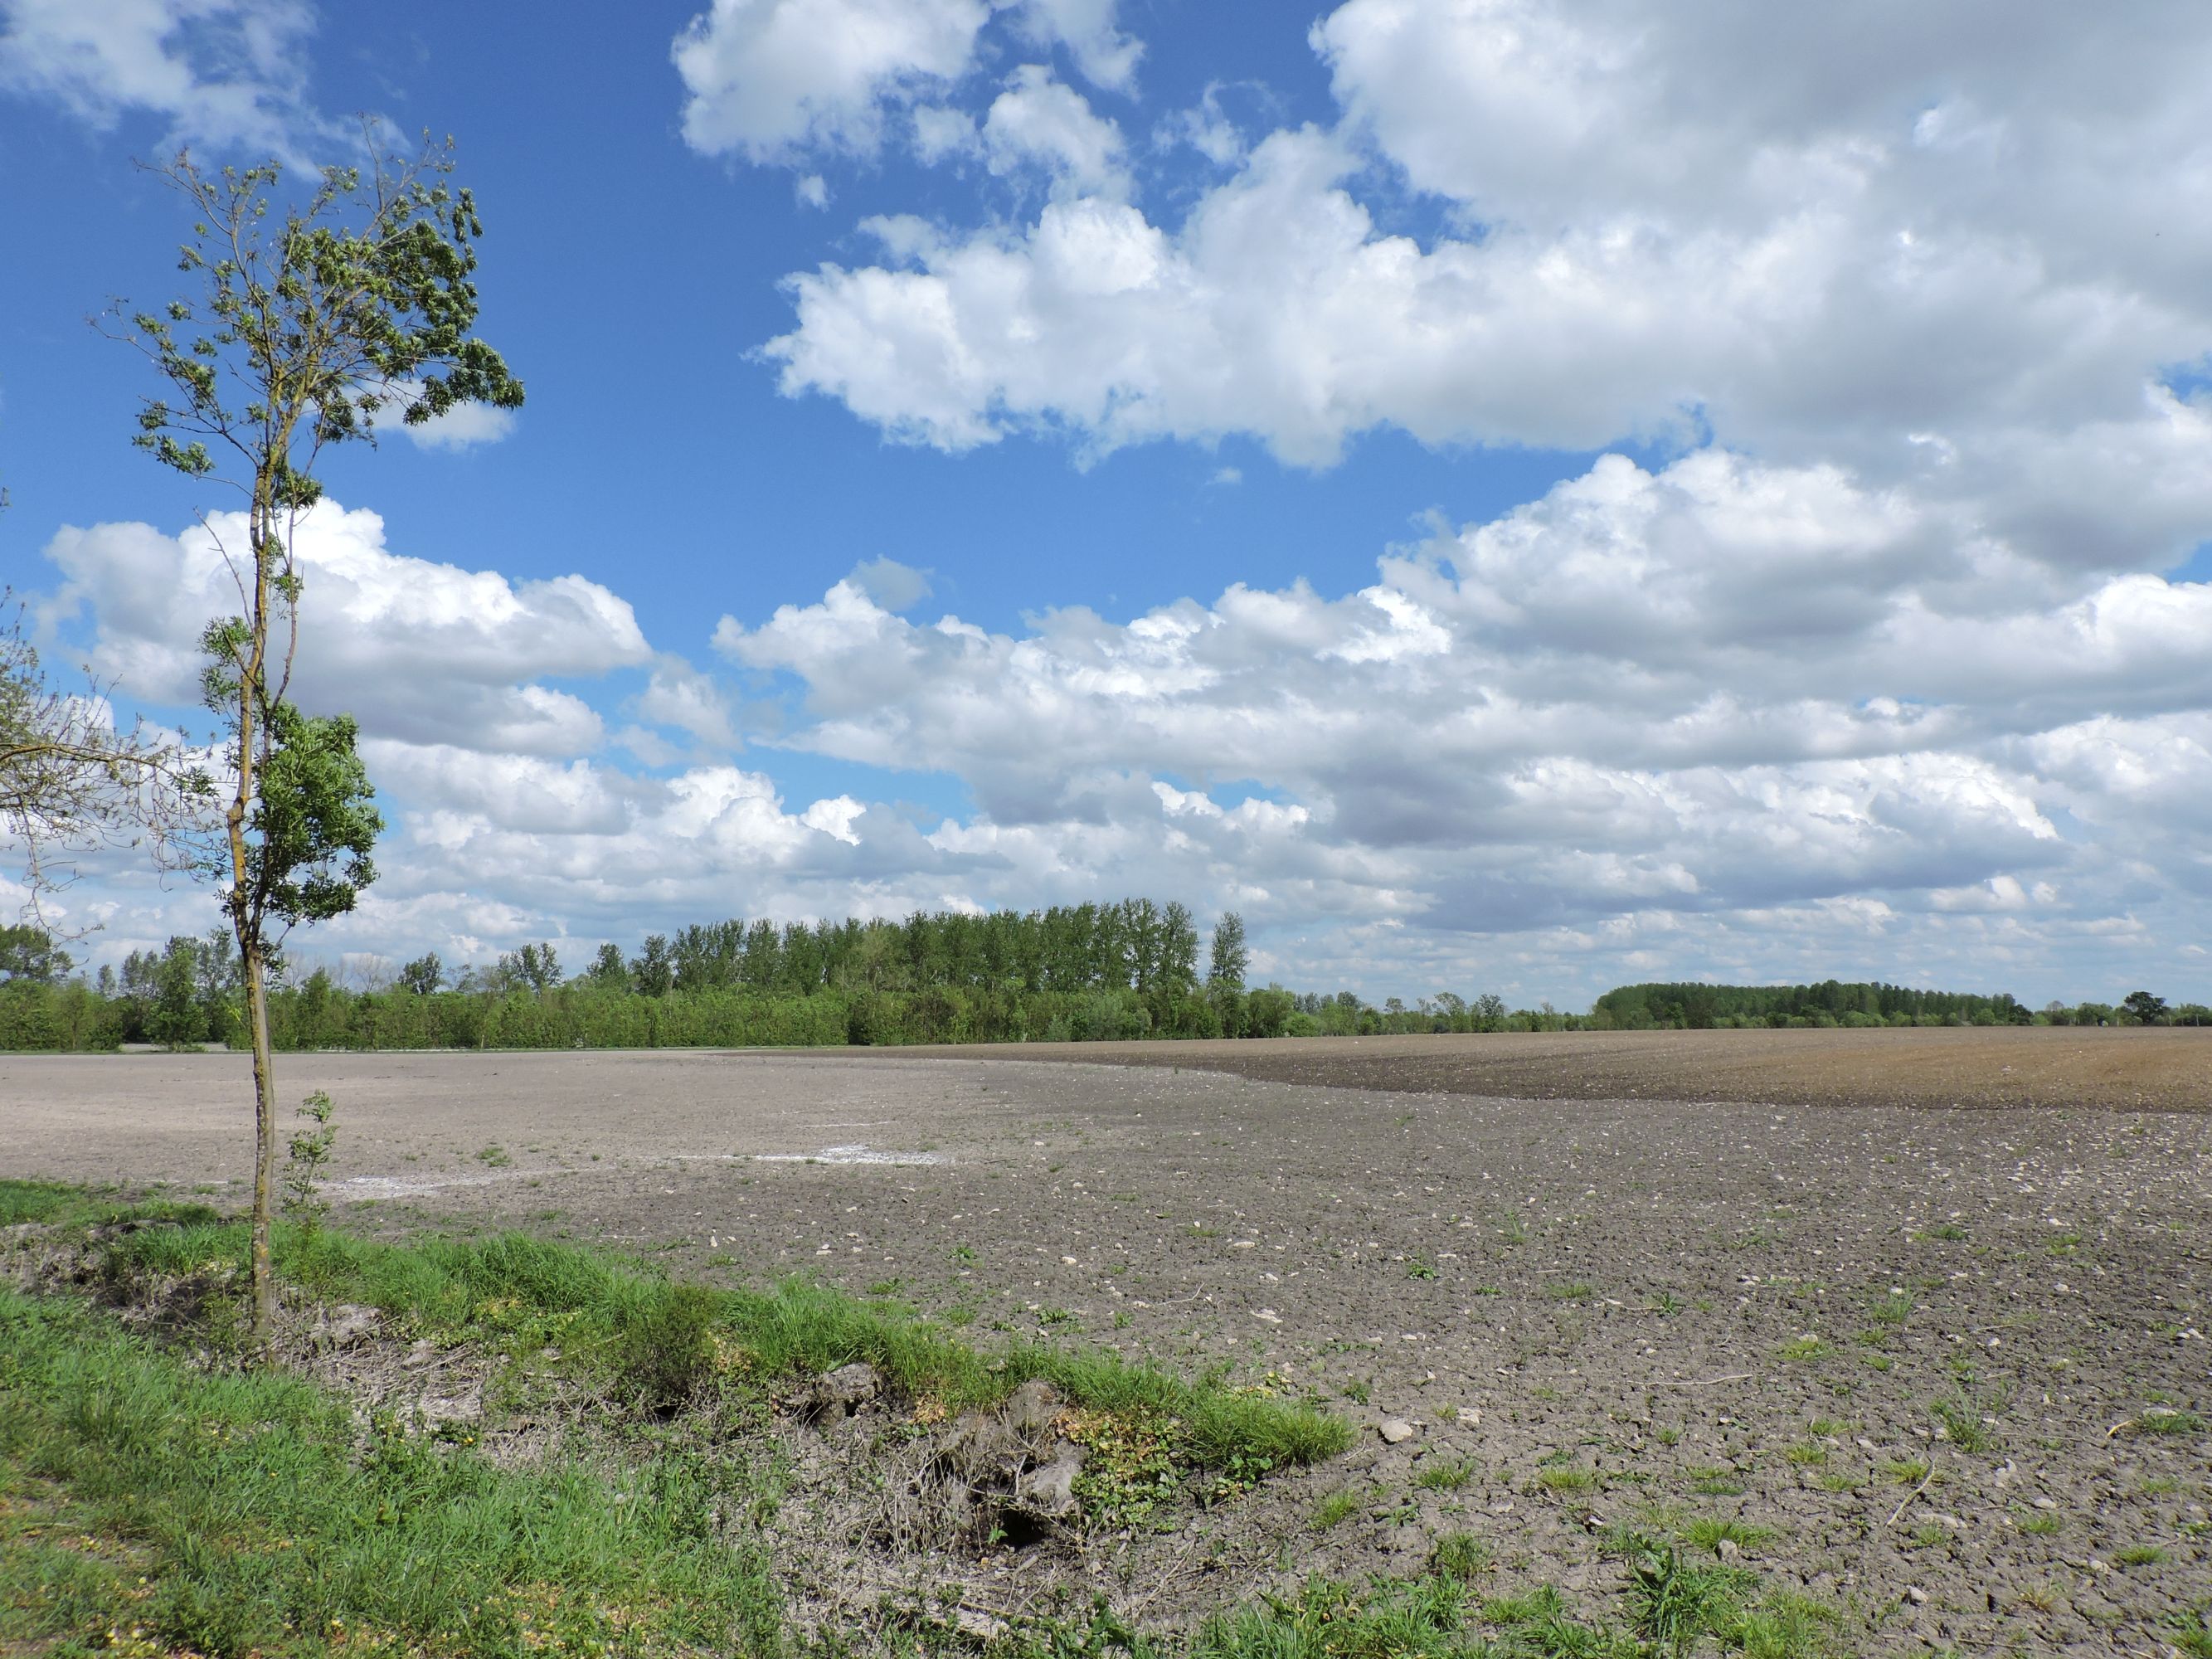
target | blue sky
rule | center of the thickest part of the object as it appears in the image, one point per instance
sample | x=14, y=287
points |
x=1502, y=505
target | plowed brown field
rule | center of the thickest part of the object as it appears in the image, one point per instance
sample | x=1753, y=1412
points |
x=2163, y=1068
x=1899, y=1304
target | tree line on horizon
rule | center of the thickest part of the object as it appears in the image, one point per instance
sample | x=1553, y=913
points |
x=1693, y=1005
x=1075, y=973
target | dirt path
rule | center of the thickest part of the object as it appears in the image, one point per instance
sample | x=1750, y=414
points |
x=1595, y=1311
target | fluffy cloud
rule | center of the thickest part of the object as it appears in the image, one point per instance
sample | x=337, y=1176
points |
x=1037, y=127
x=1717, y=693
x=421, y=651
x=768, y=80
x=1039, y=123
x=1736, y=113
x=463, y=426
x=1889, y=244
x=1106, y=57
x=891, y=584
x=1733, y=713
x=775, y=81
x=1719, y=612
x=679, y=696
x=222, y=72
x=505, y=820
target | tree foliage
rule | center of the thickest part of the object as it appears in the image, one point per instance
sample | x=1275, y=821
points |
x=29, y=954
x=2144, y=1008
x=1830, y=1002
x=71, y=780
x=1230, y=958
x=424, y=976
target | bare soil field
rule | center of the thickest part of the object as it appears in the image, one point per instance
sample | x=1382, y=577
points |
x=2165, y=1069
x=1914, y=1319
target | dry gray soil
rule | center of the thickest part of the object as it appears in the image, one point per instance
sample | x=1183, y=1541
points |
x=1641, y=1310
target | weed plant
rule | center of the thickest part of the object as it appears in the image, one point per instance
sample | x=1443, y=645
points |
x=1445, y=1473
x=1332, y=1508
x=1963, y=1426
x=1460, y=1556
x=1708, y=1534
x=2169, y=1422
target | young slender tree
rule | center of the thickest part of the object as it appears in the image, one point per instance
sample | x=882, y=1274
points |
x=308, y=321
x=1230, y=958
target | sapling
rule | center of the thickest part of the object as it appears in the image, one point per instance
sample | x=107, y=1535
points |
x=308, y=323
x=311, y=1146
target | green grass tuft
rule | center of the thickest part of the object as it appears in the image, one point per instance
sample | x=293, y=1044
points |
x=56, y=1203
x=261, y=1521
x=1709, y=1534
x=23, y=1201
x=1332, y=1508
x=1963, y=1426
x=1445, y=1473
x=1461, y=1556
x=1565, y=1477
x=1672, y=1604
x=2169, y=1422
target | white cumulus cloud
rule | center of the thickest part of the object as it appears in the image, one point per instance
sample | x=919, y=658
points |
x=423, y=651
x=1106, y=56
x=1539, y=753
x=221, y=71
x=769, y=80
x=1723, y=693
x=1041, y=123
x=1884, y=240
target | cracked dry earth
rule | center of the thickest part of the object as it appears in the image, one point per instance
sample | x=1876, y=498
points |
x=1953, y=1362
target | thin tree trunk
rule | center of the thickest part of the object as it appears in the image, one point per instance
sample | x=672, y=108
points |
x=245, y=923
x=265, y=1160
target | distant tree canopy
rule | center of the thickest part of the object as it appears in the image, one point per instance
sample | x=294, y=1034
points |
x=30, y=953
x=1076, y=973
x=1848, y=1003
x=1830, y=1002
x=1136, y=945
x=2144, y=1008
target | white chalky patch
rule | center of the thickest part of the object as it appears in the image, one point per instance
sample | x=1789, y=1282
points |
x=388, y=1186
x=853, y=1154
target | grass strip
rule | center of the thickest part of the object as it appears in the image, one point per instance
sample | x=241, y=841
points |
x=660, y=1340
x=250, y=1514
x=57, y=1204
x=1438, y=1615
